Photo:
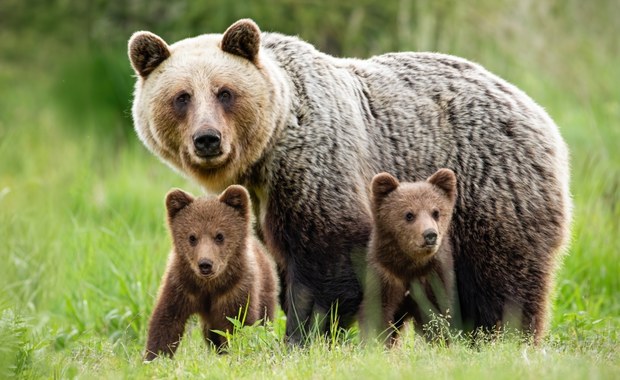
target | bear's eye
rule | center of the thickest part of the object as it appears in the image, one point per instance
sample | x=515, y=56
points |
x=409, y=216
x=435, y=214
x=219, y=238
x=225, y=96
x=181, y=101
x=193, y=240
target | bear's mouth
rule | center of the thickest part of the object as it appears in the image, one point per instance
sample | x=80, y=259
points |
x=205, y=273
x=211, y=161
x=201, y=163
x=208, y=156
x=428, y=249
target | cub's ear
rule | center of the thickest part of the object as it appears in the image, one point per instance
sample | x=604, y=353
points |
x=382, y=184
x=445, y=179
x=177, y=200
x=243, y=39
x=236, y=197
x=146, y=51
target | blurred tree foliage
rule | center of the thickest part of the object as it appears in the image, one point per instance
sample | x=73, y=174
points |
x=352, y=28
x=337, y=27
x=82, y=43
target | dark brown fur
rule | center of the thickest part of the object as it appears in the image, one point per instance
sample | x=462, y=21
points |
x=412, y=277
x=149, y=53
x=217, y=231
x=242, y=39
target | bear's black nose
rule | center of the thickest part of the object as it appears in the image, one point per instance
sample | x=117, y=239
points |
x=205, y=266
x=207, y=142
x=430, y=236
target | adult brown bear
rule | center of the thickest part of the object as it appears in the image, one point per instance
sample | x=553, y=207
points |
x=305, y=132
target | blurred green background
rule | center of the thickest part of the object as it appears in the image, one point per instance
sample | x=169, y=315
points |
x=82, y=236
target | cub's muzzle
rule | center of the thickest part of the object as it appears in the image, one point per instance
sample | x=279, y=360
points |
x=430, y=237
x=205, y=266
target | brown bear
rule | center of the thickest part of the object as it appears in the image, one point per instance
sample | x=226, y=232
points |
x=410, y=252
x=217, y=269
x=305, y=133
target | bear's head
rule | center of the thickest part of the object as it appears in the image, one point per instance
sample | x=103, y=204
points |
x=207, y=105
x=414, y=215
x=209, y=233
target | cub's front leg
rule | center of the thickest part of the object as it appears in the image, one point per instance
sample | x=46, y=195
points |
x=167, y=323
x=213, y=338
x=219, y=323
x=393, y=296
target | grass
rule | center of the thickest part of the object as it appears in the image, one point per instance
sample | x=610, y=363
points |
x=83, y=243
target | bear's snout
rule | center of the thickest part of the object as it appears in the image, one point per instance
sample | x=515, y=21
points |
x=205, y=266
x=207, y=142
x=430, y=237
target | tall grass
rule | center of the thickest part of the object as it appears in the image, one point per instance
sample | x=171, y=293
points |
x=83, y=243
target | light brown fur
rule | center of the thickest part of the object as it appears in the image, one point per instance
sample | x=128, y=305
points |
x=216, y=269
x=407, y=216
x=247, y=127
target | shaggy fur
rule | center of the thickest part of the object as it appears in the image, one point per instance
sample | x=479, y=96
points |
x=240, y=274
x=402, y=259
x=305, y=132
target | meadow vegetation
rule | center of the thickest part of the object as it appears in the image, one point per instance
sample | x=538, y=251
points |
x=83, y=242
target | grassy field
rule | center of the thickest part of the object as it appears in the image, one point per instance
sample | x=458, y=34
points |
x=83, y=242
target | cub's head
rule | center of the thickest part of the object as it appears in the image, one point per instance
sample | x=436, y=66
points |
x=209, y=232
x=206, y=105
x=414, y=215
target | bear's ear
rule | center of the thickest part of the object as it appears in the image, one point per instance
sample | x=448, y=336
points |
x=243, y=39
x=445, y=179
x=146, y=51
x=382, y=184
x=177, y=200
x=236, y=197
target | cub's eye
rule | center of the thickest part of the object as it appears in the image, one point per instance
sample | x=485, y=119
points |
x=409, y=216
x=193, y=240
x=219, y=238
x=436, y=214
x=225, y=96
x=181, y=101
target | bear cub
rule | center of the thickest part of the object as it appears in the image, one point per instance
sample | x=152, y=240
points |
x=410, y=252
x=216, y=268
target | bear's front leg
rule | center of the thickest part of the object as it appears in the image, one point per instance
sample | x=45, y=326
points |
x=217, y=323
x=319, y=245
x=300, y=302
x=396, y=309
x=167, y=323
x=319, y=297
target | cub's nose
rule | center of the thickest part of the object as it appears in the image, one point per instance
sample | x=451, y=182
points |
x=205, y=266
x=430, y=237
x=207, y=142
